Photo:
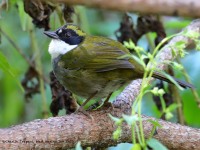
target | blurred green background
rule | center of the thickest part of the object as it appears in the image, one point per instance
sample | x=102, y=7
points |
x=17, y=25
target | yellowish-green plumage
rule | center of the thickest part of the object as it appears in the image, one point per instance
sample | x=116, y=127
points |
x=96, y=66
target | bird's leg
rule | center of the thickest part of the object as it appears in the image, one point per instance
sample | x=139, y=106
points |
x=96, y=105
x=81, y=109
x=106, y=102
x=101, y=103
x=87, y=100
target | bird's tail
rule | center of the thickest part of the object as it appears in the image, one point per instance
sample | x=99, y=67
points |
x=161, y=76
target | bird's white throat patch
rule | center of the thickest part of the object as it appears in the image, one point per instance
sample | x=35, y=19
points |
x=57, y=47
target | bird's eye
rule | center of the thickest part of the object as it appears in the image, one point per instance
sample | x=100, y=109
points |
x=68, y=34
x=60, y=31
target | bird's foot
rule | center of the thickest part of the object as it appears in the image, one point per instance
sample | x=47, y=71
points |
x=100, y=104
x=108, y=105
x=95, y=106
x=86, y=113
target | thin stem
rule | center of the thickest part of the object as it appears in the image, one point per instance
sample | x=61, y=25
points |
x=177, y=99
x=133, y=133
x=152, y=132
x=36, y=50
x=139, y=102
x=148, y=74
x=161, y=43
x=163, y=105
x=138, y=134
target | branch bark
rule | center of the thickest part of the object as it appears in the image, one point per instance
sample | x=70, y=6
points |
x=189, y=8
x=65, y=132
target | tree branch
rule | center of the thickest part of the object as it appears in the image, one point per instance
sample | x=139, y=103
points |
x=189, y=8
x=66, y=131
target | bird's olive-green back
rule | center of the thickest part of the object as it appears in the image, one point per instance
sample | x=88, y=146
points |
x=99, y=54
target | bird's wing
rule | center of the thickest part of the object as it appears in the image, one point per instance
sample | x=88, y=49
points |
x=99, y=55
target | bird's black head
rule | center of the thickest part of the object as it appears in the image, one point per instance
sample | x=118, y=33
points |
x=70, y=34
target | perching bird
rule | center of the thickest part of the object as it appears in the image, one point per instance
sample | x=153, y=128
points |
x=93, y=66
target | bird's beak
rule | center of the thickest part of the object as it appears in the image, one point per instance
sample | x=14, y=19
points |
x=51, y=34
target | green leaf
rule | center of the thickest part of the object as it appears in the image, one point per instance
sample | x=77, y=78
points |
x=156, y=145
x=177, y=66
x=129, y=44
x=155, y=123
x=117, y=133
x=180, y=44
x=172, y=107
x=4, y=65
x=130, y=119
x=139, y=49
x=191, y=34
x=150, y=56
x=117, y=121
x=136, y=147
x=168, y=115
x=172, y=80
x=78, y=146
x=138, y=60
